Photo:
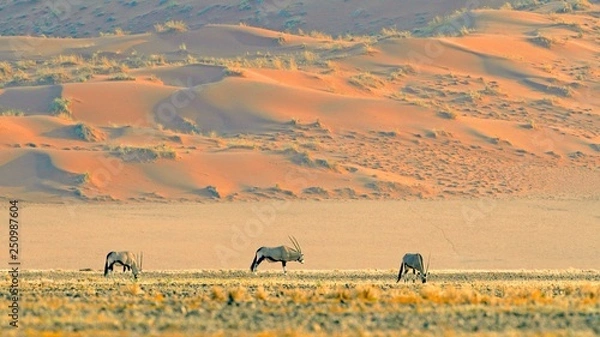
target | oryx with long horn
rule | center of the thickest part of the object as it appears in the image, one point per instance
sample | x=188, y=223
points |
x=414, y=262
x=127, y=259
x=283, y=254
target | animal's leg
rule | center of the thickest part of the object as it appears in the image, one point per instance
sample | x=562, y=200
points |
x=400, y=272
x=283, y=263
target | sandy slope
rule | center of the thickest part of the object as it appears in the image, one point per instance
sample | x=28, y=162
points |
x=503, y=104
x=462, y=234
x=70, y=19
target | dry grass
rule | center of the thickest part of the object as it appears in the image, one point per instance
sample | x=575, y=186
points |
x=143, y=154
x=61, y=107
x=310, y=303
x=11, y=112
x=544, y=40
x=171, y=26
x=366, y=81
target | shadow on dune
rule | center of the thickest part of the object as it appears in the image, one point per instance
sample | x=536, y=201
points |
x=31, y=100
x=34, y=170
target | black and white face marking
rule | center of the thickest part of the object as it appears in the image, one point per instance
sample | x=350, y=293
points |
x=301, y=258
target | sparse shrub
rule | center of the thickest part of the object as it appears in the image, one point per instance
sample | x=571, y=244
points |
x=529, y=125
x=472, y=96
x=121, y=77
x=369, y=49
x=83, y=178
x=309, y=57
x=281, y=39
x=292, y=65
x=234, y=72
x=581, y=5
x=303, y=158
x=391, y=32
x=241, y=144
x=171, y=26
x=47, y=76
x=523, y=4
x=447, y=113
x=315, y=190
x=464, y=31
x=491, y=90
x=212, y=191
x=68, y=60
x=188, y=126
x=236, y=295
x=5, y=69
x=552, y=101
x=189, y=59
x=143, y=154
x=561, y=90
x=61, y=107
x=366, y=81
x=432, y=134
x=119, y=32
x=87, y=133
x=261, y=294
x=543, y=40
x=11, y=112
x=450, y=25
x=320, y=35
x=217, y=293
x=368, y=293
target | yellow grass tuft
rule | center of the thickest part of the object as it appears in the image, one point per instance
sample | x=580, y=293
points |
x=171, y=26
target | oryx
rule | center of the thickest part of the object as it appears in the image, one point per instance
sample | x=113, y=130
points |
x=281, y=254
x=128, y=260
x=414, y=262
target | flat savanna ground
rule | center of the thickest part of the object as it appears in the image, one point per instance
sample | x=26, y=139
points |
x=307, y=303
x=459, y=234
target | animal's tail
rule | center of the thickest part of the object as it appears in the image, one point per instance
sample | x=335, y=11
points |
x=400, y=273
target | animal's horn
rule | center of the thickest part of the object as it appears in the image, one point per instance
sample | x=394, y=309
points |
x=428, y=260
x=295, y=242
x=298, y=244
x=292, y=241
x=141, y=258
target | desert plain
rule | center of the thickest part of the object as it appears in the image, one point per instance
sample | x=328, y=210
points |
x=199, y=131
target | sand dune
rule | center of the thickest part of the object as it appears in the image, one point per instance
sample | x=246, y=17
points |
x=333, y=18
x=482, y=103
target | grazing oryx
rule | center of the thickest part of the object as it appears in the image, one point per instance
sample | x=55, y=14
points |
x=127, y=259
x=414, y=262
x=281, y=254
